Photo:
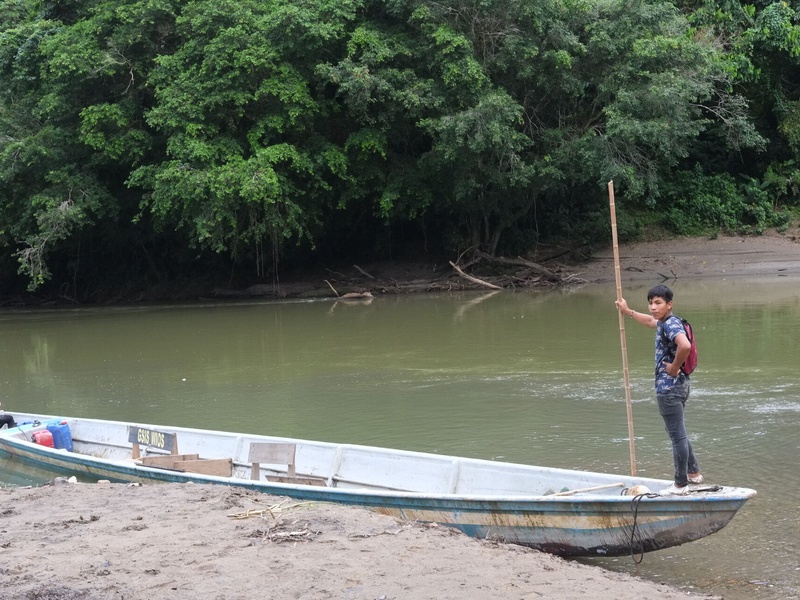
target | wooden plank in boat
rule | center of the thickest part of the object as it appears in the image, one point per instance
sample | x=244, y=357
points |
x=168, y=460
x=278, y=453
x=221, y=467
x=191, y=463
x=273, y=453
x=298, y=480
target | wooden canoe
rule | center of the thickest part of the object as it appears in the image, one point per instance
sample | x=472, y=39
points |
x=564, y=512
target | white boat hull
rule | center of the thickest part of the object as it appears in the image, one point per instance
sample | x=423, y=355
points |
x=485, y=499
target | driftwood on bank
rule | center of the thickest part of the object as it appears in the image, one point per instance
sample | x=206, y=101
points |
x=510, y=272
x=474, y=279
x=360, y=270
x=521, y=262
x=350, y=295
x=478, y=270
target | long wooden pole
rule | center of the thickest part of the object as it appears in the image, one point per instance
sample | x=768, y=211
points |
x=622, y=340
x=608, y=486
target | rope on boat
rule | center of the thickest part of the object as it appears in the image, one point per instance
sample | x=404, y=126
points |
x=635, y=509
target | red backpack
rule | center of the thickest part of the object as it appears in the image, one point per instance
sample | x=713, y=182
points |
x=690, y=364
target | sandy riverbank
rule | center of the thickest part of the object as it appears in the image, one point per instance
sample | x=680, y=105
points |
x=180, y=541
x=773, y=255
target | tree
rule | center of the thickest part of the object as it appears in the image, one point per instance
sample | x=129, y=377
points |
x=763, y=41
x=68, y=126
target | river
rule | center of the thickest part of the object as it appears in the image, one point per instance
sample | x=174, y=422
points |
x=532, y=377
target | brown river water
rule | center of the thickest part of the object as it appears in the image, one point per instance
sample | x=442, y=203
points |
x=532, y=377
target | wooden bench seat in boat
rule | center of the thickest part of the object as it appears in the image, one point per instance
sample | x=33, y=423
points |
x=190, y=463
x=278, y=453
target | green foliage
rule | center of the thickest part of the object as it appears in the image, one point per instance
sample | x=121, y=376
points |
x=241, y=129
x=483, y=150
x=700, y=203
x=762, y=54
x=110, y=129
x=65, y=207
x=782, y=181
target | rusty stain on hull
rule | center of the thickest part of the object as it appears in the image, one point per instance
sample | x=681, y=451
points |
x=578, y=534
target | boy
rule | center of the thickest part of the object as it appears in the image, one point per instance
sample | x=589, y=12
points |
x=672, y=384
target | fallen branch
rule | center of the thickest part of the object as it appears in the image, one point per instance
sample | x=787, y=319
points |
x=282, y=536
x=356, y=296
x=332, y=288
x=271, y=510
x=474, y=279
x=363, y=271
x=520, y=262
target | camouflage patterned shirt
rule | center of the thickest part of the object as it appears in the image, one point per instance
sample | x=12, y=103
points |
x=665, y=352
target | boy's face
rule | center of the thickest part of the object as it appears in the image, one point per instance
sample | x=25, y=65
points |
x=658, y=308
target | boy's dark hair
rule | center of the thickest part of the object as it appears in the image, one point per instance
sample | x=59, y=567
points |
x=661, y=291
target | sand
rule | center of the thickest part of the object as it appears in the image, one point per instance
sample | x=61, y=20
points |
x=185, y=541
x=182, y=541
x=773, y=255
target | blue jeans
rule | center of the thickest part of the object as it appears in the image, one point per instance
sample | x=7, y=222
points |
x=671, y=406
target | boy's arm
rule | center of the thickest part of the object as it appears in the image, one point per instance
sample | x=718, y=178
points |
x=641, y=318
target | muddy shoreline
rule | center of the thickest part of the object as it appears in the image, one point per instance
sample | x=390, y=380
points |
x=771, y=254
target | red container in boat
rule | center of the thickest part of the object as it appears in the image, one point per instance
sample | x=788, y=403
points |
x=43, y=438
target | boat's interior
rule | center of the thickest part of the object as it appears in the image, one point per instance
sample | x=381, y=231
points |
x=264, y=458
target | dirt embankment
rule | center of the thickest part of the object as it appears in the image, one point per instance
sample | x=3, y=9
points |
x=777, y=255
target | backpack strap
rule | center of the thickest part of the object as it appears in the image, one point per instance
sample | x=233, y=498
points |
x=664, y=337
x=687, y=330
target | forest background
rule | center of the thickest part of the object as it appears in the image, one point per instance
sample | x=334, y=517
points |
x=168, y=145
